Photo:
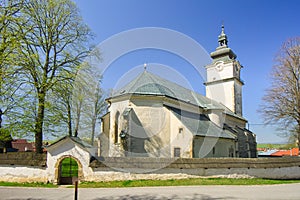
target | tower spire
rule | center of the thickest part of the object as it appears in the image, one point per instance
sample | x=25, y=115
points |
x=223, y=52
x=222, y=38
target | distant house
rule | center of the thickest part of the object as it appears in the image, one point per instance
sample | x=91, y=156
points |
x=266, y=152
x=155, y=117
x=290, y=152
x=277, y=153
x=22, y=145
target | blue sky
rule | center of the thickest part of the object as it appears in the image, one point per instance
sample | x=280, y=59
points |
x=256, y=29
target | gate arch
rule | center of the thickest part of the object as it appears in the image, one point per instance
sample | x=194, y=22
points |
x=58, y=172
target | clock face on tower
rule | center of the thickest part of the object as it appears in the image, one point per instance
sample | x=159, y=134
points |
x=220, y=66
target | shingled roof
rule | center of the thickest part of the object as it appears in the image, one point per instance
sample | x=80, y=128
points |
x=76, y=140
x=150, y=84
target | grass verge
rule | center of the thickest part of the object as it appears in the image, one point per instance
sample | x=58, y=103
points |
x=14, y=184
x=152, y=183
x=184, y=182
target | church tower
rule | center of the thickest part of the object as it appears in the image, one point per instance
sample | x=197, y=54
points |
x=224, y=84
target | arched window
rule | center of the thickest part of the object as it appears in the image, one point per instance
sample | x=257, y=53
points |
x=116, y=135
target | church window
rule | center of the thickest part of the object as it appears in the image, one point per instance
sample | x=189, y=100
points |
x=116, y=135
x=214, y=150
x=180, y=130
x=177, y=152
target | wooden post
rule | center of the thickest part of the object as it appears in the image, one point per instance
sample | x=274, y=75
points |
x=76, y=190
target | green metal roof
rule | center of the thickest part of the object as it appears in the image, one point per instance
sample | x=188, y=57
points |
x=200, y=125
x=150, y=84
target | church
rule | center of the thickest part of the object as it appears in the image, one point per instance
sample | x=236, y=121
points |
x=155, y=117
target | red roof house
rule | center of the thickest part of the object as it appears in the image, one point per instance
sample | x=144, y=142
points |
x=291, y=152
x=22, y=145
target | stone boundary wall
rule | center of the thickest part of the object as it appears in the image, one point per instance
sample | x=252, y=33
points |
x=107, y=169
x=23, y=159
x=194, y=163
x=23, y=167
x=31, y=167
x=23, y=174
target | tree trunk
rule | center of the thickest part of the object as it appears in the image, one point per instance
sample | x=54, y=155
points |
x=1, y=113
x=77, y=126
x=297, y=134
x=69, y=120
x=78, y=113
x=93, y=130
x=39, y=122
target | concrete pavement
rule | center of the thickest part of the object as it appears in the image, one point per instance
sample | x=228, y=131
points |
x=260, y=192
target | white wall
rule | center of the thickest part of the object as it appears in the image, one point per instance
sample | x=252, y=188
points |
x=115, y=149
x=34, y=174
x=182, y=140
x=23, y=174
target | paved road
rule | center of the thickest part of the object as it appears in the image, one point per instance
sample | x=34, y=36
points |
x=286, y=191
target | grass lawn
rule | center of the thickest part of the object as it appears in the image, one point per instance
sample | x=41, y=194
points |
x=14, y=184
x=149, y=183
x=184, y=182
x=276, y=146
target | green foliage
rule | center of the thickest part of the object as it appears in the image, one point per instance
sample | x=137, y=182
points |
x=5, y=135
x=277, y=146
x=37, y=80
x=54, y=41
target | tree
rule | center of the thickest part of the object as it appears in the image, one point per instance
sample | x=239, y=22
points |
x=80, y=102
x=62, y=106
x=55, y=40
x=282, y=99
x=88, y=99
x=9, y=48
x=98, y=107
x=94, y=106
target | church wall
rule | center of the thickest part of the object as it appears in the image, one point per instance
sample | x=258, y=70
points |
x=217, y=117
x=116, y=108
x=150, y=122
x=181, y=137
x=209, y=147
x=104, y=136
x=233, y=122
x=238, y=98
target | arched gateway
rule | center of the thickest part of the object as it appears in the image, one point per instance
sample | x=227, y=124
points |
x=68, y=160
x=69, y=170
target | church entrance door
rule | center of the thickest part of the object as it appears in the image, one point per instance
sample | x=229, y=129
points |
x=68, y=171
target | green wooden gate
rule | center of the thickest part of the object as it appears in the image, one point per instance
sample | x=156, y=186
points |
x=68, y=171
